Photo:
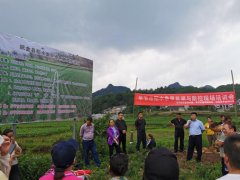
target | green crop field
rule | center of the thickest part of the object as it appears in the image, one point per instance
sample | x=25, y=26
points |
x=36, y=140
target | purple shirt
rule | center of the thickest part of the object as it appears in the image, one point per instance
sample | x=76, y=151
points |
x=111, y=135
x=87, y=132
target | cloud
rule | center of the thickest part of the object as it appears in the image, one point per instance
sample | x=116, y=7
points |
x=160, y=42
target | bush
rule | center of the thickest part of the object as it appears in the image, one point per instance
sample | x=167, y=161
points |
x=34, y=166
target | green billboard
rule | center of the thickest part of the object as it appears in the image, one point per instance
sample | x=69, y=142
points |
x=39, y=83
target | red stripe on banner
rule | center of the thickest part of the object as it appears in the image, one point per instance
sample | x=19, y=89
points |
x=190, y=99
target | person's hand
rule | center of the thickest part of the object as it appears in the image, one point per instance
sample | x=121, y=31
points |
x=5, y=146
x=189, y=123
x=124, y=131
x=117, y=143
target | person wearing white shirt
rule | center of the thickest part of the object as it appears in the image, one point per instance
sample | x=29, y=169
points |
x=232, y=157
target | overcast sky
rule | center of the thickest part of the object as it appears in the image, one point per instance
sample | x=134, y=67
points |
x=193, y=42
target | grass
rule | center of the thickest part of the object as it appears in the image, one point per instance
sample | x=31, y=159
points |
x=37, y=138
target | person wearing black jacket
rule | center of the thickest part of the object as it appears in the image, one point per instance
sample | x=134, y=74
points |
x=178, y=123
x=151, y=142
x=141, y=133
x=122, y=127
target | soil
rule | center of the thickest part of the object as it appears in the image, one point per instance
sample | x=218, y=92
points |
x=207, y=158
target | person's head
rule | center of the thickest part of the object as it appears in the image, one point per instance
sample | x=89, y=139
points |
x=8, y=133
x=55, y=144
x=161, y=164
x=111, y=122
x=228, y=119
x=229, y=129
x=89, y=120
x=193, y=116
x=118, y=165
x=120, y=115
x=214, y=126
x=140, y=115
x=63, y=157
x=231, y=152
x=223, y=118
x=179, y=115
x=209, y=119
x=150, y=136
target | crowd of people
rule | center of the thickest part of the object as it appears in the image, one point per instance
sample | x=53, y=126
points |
x=160, y=163
x=222, y=135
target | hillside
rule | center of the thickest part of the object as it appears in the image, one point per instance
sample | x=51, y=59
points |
x=110, y=89
x=127, y=97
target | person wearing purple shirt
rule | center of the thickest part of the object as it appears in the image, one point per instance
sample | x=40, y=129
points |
x=87, y=133
x=113, y=141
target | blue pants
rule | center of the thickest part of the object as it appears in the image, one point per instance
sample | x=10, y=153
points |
x=90, y=145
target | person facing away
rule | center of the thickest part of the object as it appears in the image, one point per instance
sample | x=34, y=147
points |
x=161, y=164
x=118, y=166
x=210, y=134
x=178, y=124
x=52, y=169
x=232, y=157
x=122, y=127
x=63, y=157
x=151, y=142
x=113, y=138
x=216, y=127
x=87, y=133
x=196, y=128
x=140, y=124
x=15, y=171
x=223, y=119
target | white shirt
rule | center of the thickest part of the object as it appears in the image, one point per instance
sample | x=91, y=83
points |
x=230, y=177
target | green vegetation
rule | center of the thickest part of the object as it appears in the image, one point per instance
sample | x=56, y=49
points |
x=126, y=98
x=36, y=140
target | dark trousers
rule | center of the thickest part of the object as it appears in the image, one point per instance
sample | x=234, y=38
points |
x=90, y=145
x=224, y=172
x=141, y=137
x=179, y=134
x=192, y=142
x=14, y=173
x=111, y=147
x=122, y=140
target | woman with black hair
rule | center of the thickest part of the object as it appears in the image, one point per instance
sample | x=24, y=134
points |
x=15, y=171
x=118, y=166
x=113, y=141
x=151, y=142
x=63, y=157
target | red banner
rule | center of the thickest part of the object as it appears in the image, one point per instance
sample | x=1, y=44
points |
x=191, y=99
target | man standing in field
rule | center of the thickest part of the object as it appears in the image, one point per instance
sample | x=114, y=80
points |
x=122, y=127
x=87, y=133
x=219, y=142
x=196, y=128
x=141, y=133
x=178, y=123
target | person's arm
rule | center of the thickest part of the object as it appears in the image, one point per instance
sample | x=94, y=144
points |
x=188, y=124
x=219, y=143
x=171, y=122
x=125, y=125
x=17, y=149
x=202, y=127
x=81, y=131
x=136, y=124
x=110, y=134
